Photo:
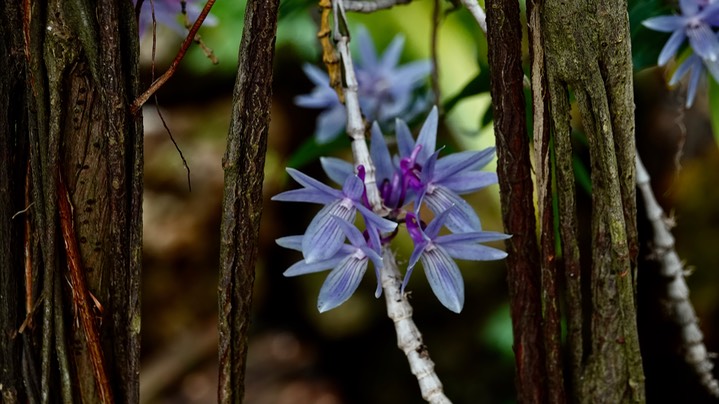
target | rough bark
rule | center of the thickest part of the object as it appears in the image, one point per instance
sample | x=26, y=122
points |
x=587, y=51
x=65, y=87
x=504, y=36
x=242, y=204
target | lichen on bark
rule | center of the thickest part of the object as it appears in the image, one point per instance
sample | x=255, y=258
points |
x=587, y=52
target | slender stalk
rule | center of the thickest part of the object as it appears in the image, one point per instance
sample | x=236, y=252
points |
x=142, y=99
x=409, y=339
x=370, y=6
x=682, y=312
x=355, y=122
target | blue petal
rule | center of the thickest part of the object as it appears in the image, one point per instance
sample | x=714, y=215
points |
x=427, y=174
x=353, y=188
x=435, y=225
x=685, y=67
x=311, y=183
x=331, y=123
x=382, y=224
x=337, y=169
x=689, y=7
x=290, y=242
x=444, y=278
x=703, y=41
x=405, y=142
x=665, y=23
x=353, y=235
x=303, y=268
x=314, y=100
x=713, y=68
x=671, y=47
x=341, y=283
x=304, y=195
x=694, y=79
x=474, y=252
x=412, y=74
x=316, y=75
x=457, y=162
x=428, y=135
x=464, y=183
x=324, y=237
x=380, y=155
x=471, y=237
x=413, y=259
x=391, y=55
x=367, y=52
x=461, y=219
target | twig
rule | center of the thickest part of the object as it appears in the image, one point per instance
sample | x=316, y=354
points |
x=139, y=101
x=81, y=295
x=198, y=39
x=330, y=57
x=409, y=339
x=476, y=10
x=355, y=122
x=436, y=19
x=368, y=6
x=28, y=251
x=478, y=13
x=681, y=310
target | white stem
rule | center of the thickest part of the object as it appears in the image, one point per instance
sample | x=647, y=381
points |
x=355, y=122
x=681, y=310
x=409, y=339
x=476, y=10
x=369, y=6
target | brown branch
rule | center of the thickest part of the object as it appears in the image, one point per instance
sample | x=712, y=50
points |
x=543, y=169
x=81, y=295
x=330, y=56
x=504, y=37
x=142, y=99
x=243, y=164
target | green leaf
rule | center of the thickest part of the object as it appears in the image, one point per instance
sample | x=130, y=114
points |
x=581, y=174
x=479, y=84
x=646, y=44
x=714, y=107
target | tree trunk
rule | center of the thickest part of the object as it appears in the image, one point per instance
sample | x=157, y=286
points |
x=582, y=46
x=244, y=163
x=70, y=202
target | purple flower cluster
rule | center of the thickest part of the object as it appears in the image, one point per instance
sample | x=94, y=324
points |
x=413, y=178
x=386, y=90
x=167, y=13
x=696, y=23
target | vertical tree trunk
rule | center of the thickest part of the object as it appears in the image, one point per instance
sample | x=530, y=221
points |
x=69, y=273
x=504, y=37
x=244, y=163
x=580, y=46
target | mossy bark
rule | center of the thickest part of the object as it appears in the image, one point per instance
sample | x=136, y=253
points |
x=579, y=46
x=69, y=74
x=587, y=51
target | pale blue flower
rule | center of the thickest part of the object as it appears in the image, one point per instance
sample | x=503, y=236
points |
x=386, y=89
x=348, y=265
x=694, y=23
x=324, y=236
x=436, y=254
